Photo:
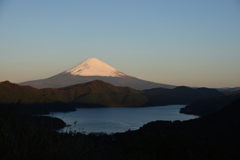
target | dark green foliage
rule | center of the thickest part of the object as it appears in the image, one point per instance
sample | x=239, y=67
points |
x=175, y=145
x=178, y=95
x=99, y=94
x=168, y=141
x=207, y=106
x=25, y=137
x=29, y=142
x=95, y=93
x=113, y=99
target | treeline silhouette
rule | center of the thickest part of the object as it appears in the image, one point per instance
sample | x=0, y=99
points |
x=215, y=136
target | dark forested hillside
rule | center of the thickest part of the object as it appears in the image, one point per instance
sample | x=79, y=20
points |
x=179, y=95
x=97, y=94
x=215, y=136
x=207, y=106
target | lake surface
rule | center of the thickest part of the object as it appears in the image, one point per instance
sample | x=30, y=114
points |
x=118, y=119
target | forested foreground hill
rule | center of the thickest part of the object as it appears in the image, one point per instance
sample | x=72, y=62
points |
x=102, y=94
x=213, y=137
x=203, y=107
x=179, y=95
x=95, y=93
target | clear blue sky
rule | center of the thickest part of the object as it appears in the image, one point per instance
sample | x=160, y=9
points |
x=179, y=42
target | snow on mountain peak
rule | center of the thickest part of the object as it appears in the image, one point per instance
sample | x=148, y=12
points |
x=94, y=67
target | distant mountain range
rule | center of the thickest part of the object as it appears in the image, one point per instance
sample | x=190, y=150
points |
x=93, y=69
x=97, y=94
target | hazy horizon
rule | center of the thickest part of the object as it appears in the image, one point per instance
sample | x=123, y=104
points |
x=191, y=43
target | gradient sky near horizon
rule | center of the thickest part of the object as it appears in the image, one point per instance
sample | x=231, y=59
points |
x=192, y=43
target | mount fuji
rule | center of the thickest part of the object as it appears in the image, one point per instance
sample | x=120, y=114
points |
x=93, y=69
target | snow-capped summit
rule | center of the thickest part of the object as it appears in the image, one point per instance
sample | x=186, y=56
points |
x=94, y=67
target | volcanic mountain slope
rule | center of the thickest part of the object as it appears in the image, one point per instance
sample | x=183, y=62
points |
x=93, y=69
x=94, y=93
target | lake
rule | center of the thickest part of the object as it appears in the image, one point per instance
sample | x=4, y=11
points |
x=118, y=119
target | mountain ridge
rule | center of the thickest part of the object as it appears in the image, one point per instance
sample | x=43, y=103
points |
x=99, y=94
x=203, y=107
x=95, y=93
x=179, y=95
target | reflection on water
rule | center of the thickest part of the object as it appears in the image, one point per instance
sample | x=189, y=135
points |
x=119, y=119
